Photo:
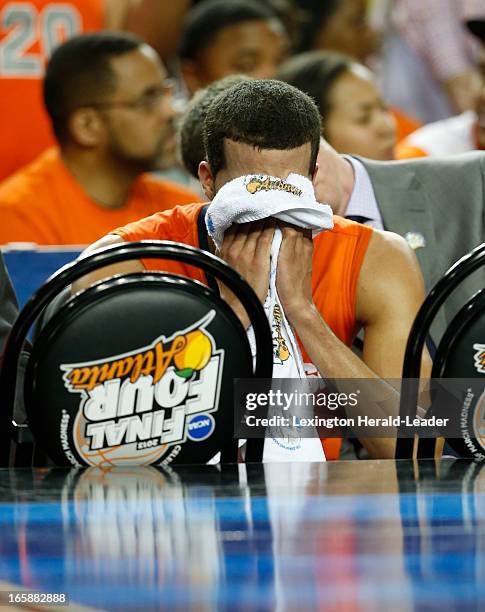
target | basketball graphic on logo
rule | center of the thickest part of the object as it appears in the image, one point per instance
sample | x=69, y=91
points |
x=122, y=454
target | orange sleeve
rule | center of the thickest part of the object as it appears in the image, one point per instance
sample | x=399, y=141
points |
x=172, y=224
x=178, y=224
x=149, y=228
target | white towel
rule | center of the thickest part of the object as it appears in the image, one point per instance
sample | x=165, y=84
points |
x=255, y=197
x=252, y=198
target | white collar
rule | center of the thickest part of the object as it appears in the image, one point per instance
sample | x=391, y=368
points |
x=363, y=200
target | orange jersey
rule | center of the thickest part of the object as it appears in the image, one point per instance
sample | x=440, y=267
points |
x=338, y=257
x=337, y=260
x=29, y=31
x=43, y=203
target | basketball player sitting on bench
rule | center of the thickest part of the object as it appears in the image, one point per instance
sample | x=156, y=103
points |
x=348, y=278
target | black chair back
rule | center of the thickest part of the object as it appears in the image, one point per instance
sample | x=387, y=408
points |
x=460, y=355
x=139, y=368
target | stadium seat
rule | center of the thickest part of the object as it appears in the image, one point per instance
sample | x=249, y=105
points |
x=458, y=373
x=30, y=267
x=139, y=368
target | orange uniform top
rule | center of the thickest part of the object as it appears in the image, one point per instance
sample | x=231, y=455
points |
x=337, y=260
x=29, y=31
x=43, y=203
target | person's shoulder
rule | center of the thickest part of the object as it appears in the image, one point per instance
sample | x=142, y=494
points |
x=462, y=166
x=451, y=161
x=347, y=227
x=167, y=191
x=345, y=238
x=385, y=243
x=32, y=182
x=175, y=224
x=389, y=264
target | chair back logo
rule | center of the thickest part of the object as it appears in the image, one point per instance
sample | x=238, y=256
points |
x=137, y=408
x=479, y=358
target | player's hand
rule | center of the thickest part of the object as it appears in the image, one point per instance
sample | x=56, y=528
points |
x=247, y=248
x=294, y=272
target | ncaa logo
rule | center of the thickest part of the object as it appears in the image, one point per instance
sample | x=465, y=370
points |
x=200, y=427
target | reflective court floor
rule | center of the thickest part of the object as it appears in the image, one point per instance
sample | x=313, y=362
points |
x=342, y=536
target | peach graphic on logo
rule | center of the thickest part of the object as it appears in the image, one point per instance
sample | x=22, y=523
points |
x=194, y=356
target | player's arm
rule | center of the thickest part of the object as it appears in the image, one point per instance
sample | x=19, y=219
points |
x=387, y=303
x=124, y=267
x=390, y=291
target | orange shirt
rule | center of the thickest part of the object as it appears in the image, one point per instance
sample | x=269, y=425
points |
x=29, y=30
x=43, y=203
x=337, y=260
x=405, y=124
x=407, y=151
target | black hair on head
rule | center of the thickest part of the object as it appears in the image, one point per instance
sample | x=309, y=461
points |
x=208, y=18
x=315, y=73
x=192, y=124
x=79, y=72
x=267, y=114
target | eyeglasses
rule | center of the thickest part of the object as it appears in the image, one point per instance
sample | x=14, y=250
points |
x=149, y=101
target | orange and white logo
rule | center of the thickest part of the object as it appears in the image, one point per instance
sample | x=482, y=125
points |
x=254, y=184
x=281, y=352
x=479, y=357
x=136, y=406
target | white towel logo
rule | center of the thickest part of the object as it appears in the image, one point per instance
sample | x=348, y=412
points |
x=281, y=351
x=264, y=183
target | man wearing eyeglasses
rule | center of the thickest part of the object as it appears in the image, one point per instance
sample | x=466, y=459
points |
x=111, y=111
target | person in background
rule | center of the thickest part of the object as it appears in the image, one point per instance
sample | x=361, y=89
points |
x=357, y=121
x=192, y=122
x=337, y=25
x=110, y=106
x=458, y=134
x=428, y=64
x=238, y=37
x=29, y=32
x=343, y=26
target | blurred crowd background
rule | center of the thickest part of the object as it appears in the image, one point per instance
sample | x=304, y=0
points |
x=393, y=79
